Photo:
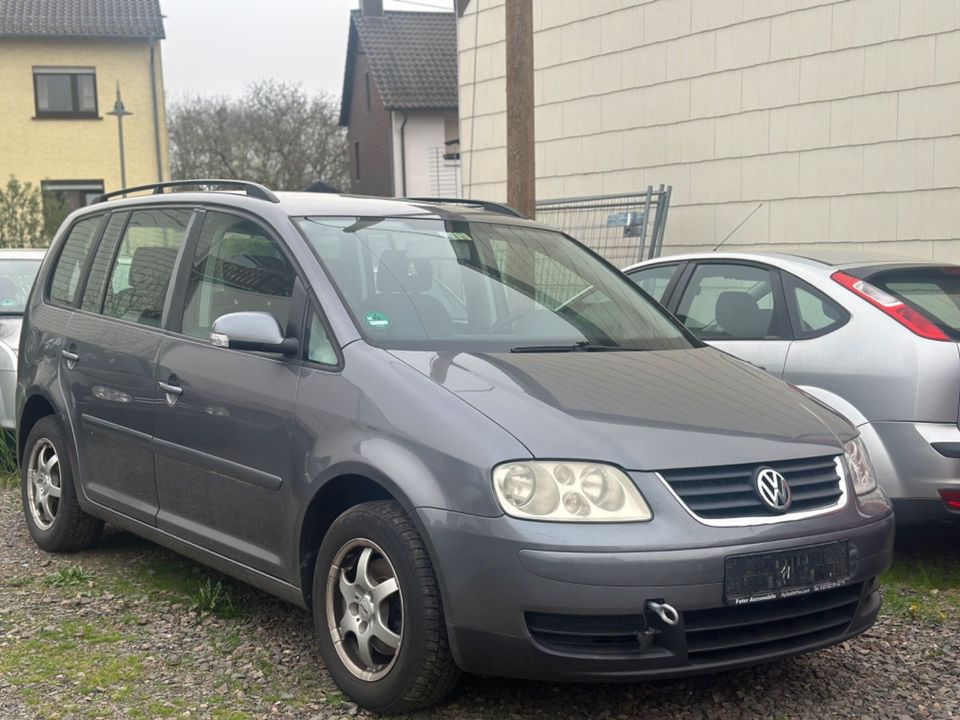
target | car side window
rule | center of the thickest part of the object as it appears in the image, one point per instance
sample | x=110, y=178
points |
x=654, y=280
x=237, y=267
x=73, y=257
x=143, y=266
x=728, y=301
x=817, y=314
x=100, y=270
x=320, y=349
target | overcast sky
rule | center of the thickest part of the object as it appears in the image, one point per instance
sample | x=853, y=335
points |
x=219, y=46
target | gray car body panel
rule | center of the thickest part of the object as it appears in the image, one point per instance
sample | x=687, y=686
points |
x=887, y=381
x=253, y=439
x=638, y=410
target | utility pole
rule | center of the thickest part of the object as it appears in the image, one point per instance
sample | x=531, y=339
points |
x=120, y=112
x=521, y=155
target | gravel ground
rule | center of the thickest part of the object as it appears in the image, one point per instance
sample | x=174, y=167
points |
x=123, y=638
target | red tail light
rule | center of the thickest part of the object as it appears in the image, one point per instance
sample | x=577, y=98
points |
x=914, y=321
x=951, y=498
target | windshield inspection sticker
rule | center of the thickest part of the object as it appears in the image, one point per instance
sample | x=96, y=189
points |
x=377, y=320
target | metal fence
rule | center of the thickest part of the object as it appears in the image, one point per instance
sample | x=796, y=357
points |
x=624, y=228
x=444, y=173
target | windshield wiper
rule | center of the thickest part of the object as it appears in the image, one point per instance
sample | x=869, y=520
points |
x=582, y=346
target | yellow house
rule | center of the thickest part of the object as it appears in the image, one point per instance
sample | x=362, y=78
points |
x=61, y=64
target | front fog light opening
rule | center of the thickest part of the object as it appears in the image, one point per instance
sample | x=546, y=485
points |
x=568, y=491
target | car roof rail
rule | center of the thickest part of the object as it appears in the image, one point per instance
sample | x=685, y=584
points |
x=485, y=204
x=251, y=189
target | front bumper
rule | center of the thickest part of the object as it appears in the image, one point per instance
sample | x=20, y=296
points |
x=518, y=606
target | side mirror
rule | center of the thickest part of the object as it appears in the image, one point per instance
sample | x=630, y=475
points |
x=256, y=331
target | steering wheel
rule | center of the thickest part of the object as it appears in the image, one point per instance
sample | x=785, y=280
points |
x=509, y=319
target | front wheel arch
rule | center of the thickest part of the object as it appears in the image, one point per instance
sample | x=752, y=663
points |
x=331, y=500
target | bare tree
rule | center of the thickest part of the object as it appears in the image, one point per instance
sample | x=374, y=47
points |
x=276, y=134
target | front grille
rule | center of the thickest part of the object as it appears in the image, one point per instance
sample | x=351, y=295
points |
x=727, y=491
x=728, y=634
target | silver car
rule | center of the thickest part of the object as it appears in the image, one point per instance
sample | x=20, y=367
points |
x=873, y=337
x=18, y=268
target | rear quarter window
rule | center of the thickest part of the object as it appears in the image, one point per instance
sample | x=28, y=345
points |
x=813, y=313
x=68, y=271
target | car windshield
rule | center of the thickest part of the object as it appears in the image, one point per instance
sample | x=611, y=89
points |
x=16, y=279
x=483, y=287
x=933, y=290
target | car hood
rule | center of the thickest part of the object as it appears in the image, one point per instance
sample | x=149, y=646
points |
x=641, y=410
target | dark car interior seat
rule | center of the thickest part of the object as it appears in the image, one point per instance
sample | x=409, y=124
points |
x=254, y=283
x=739, y=316
x=149, y=275
x=401, y=295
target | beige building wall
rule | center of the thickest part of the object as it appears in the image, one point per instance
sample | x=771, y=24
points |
x=81, y=149
x=841, y=116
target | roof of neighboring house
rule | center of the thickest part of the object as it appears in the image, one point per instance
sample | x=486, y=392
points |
x=412, y=56
x=92, y=18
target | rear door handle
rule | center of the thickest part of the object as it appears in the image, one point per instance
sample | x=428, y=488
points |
x=71, y=357
x=171, y=389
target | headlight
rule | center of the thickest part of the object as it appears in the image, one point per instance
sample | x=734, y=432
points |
x=568, y=492
x=861, y=469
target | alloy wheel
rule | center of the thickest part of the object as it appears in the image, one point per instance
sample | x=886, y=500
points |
x=364, y=609
x=43, y=483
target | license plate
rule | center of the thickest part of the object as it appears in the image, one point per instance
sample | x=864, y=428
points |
x=768, y=576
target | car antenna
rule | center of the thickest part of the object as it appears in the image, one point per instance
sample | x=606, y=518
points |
x=729, y=234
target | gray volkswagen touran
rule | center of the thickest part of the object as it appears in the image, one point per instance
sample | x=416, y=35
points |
x=409, y=417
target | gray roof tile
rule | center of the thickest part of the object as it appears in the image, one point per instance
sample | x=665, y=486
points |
x=413, y=58
x=100, y=18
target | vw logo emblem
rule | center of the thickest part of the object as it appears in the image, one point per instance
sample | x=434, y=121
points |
x=772, y=489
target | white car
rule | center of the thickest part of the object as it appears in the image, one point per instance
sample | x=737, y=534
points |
x=18, y=269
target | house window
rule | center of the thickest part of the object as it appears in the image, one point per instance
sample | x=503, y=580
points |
x=65, y=92
x=356, y=160
x=366, y=89
x=72, y=194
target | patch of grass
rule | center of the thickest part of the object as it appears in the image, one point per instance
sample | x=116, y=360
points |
x=129, y=618
x=223, y=714
x=214, y=598
x=167, y=574
x=9, y=481
x=228, y=642
x=924, y=582
x=70, y=576
x=20, y=581
x=77, y=655
x=334, y=698
x=179, y=581
x=9, y=475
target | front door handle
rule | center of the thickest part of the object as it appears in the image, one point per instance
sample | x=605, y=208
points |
x=171, y=389
x=172, y=393
x=71, y=357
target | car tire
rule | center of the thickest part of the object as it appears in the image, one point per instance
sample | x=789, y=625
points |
x=420, y=670
x=48, y=492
